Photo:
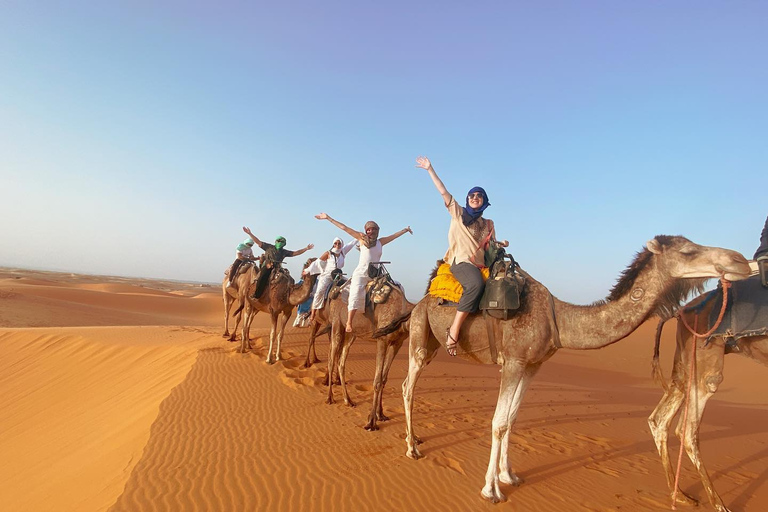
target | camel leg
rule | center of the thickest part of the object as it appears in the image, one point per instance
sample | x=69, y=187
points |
x=510, y=394
x=245, y=343
x=506, y=475
x=392, y=351
x=343, y=365
x=337, y=338
x=283, y=320
x=311, y=355
x=381, y=352
x=709, y=375
x=272, y=337
x=422, y=348
x=665, y=411
x=227, y=307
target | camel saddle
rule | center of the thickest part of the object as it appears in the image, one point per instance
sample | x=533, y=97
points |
x=746, y=312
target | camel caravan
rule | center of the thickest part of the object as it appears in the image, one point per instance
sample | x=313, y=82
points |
x=482, y=307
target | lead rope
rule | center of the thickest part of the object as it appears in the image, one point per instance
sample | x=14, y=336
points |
x=726, y=285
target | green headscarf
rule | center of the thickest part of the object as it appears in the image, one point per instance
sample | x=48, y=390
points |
x=279, y=242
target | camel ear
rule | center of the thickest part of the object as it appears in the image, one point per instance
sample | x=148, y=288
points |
x=653, y=246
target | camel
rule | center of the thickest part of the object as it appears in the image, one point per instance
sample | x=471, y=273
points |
x=278, y=300
x=231, y=297
x=662, y=274
x=708, y=374
x=364, y=326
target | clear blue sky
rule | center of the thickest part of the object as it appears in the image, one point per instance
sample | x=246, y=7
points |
x=138, y=137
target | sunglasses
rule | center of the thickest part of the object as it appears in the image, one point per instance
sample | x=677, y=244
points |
x=475, y=195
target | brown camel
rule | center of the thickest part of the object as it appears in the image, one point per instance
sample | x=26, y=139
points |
x=231, y=298
x=363, y=327
x=278, y=300
x=708, y=374
x=544, y=324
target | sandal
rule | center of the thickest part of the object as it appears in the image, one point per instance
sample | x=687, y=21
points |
x=450, y=343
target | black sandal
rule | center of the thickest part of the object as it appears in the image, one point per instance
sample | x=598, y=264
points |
x=451, y=344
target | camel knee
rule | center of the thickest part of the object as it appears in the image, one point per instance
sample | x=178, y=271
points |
x=712, y=382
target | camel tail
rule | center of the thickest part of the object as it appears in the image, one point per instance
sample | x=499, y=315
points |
x=658, y=375
x=239, y=309
x=395, y=325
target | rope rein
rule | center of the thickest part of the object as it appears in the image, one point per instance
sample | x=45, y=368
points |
x=726, y=286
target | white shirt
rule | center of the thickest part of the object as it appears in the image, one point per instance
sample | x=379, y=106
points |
x=367, y=256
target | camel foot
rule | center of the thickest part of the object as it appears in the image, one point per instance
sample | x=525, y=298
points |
x=413, y=453
x=381, y=417
x=330, y=400
x=688, y=501
x=493, y=495
x=225, y=335
x=371, y=426
x=417, y=440
x=241, y=350
x=349, y=403
x=511, y=479
x=315, y=360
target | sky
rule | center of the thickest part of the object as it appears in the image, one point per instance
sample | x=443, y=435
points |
x=137, y=138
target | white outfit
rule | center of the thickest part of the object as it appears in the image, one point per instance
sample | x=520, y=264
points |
x=324, y=268
x=360, y=275
x=245, y=254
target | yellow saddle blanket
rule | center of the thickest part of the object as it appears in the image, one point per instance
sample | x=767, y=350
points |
x=446, y=287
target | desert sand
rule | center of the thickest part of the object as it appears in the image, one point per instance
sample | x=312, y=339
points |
x=120, y=394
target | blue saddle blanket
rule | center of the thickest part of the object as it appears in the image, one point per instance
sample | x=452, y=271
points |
x=746, y=312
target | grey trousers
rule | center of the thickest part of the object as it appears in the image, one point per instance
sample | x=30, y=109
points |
x=472, y=281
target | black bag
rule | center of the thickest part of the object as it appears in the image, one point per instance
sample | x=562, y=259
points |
x=375, y=271
x=762, y=268
x=502, y=290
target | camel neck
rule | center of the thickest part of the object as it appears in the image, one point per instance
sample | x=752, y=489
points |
x=606, y=322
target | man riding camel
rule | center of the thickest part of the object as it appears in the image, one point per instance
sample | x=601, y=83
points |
x=273, y=255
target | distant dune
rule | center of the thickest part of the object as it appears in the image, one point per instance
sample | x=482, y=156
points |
x=120, y=394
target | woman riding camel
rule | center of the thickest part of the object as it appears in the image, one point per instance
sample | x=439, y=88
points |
x=330, y=260
x=468, y=236
x=370, y=251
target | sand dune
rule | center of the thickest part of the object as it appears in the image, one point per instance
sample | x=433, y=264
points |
x=162, y=416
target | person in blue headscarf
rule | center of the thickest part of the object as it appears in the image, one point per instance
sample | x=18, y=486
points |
x=468, y=237
x=273, y=255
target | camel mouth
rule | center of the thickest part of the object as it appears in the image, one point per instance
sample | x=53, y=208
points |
x=737, y=273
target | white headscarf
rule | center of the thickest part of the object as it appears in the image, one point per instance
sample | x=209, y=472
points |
x=333, y=249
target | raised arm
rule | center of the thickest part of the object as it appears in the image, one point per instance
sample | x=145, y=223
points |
x=302, y=251
x=386, y=239
x=253, y=237
x=424, y=163
x=357, y=235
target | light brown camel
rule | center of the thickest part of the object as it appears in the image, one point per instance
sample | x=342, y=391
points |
x=544, y=324
x=231, y=297
x=278, y=300
x=363, y=326
x=708, y=374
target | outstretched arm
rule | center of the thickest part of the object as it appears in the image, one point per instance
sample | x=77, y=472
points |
x=386, y=239
x=253, y=237
x=424, y=163
x=302, y=251
x=351, y=232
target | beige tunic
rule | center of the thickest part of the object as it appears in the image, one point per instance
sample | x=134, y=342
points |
x=465, y=243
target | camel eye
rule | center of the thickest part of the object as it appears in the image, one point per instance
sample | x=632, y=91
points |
x=688, y=250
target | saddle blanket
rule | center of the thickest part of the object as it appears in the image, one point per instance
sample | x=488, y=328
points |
x=746, y=313
x=445, y=286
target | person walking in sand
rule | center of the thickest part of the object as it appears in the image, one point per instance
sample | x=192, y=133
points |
x=330, y=260
x=273, y=255
x=370, y=247
x=468, y=236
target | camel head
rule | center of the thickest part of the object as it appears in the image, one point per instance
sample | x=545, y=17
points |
x=684, y=259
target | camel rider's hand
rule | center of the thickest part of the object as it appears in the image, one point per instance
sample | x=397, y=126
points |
x=504, y=243
x=408, y=229
x=310, y=246
x=247, y=230
x=321, y=216
x=423, y=162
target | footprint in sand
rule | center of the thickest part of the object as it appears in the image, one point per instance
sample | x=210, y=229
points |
x=447, y=460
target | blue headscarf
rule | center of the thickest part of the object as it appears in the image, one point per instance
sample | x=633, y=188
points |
x=470, y=214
